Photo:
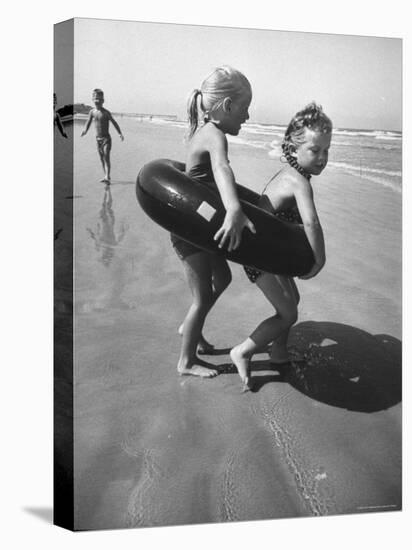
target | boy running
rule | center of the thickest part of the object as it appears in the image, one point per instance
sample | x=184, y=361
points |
x=102, y=117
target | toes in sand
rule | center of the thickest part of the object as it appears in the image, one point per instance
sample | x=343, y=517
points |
x=197, y=370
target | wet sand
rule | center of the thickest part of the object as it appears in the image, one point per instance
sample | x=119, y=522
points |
x=152, y=448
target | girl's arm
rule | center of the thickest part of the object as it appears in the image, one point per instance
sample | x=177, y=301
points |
x=87, y=125
x=235, y=220
x=311, y=224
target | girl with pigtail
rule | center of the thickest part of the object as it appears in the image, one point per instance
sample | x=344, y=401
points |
x=218, y=108
x=289, y=196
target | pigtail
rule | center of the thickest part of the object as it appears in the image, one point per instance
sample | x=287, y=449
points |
x=221, y=83
x=193, y=112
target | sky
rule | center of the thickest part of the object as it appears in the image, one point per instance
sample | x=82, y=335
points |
x=153, y=67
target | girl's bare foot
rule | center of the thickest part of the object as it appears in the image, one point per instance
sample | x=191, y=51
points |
x=197, y=368
x=241, y=362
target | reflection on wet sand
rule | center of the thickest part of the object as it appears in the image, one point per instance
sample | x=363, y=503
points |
x=105, y=237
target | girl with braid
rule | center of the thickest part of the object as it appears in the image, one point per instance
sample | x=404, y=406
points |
x=289, y=196
x=221, y=104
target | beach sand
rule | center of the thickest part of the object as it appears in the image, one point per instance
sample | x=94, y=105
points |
x=152, y=448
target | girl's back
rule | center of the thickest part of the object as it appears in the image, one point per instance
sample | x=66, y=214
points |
x=200, y=146
x=281, y=189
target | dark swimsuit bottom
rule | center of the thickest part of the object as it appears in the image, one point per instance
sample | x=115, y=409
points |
x=203, y=173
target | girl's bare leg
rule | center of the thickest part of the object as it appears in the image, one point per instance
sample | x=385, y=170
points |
x=280, y=293
x=221, y=278
x=198, y=270
x=278, y=352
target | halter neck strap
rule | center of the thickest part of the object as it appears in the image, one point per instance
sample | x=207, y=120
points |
x=292, y=162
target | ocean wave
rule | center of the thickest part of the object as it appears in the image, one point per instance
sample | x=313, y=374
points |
x=263, y=130
x=273, y=154
x=164, y=121
x=275, y=129
x=389, y=138
x=265, y=127
x=383, y=177
x=362, y=168
x=248, y=142
x=278, y=130
x=270, y=129
x=259, y=132
x=377, y=134
x=364, y=144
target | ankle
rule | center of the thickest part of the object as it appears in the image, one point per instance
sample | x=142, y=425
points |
x=243, y=350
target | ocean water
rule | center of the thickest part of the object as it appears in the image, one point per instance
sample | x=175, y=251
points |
x=373, y=155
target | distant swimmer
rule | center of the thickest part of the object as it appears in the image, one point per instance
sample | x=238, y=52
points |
x=102, y=117
x=57, y=119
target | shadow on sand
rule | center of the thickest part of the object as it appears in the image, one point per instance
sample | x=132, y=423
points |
x=217, y=351
x=344, y=366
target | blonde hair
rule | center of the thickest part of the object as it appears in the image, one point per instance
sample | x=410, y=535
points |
x=223, y=82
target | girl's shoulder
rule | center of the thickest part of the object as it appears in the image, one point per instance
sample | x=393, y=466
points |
x=293, y=178
x=209, y=137
x=287, y=176
x=287, y=182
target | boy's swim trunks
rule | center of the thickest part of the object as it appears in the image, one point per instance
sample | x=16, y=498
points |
x=104, y=144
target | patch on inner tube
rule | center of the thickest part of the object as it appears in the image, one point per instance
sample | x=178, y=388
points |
x=206, y=211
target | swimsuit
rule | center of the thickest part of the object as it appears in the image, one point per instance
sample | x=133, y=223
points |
x=290, y=215
x=203, y=173
x=104, y=144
